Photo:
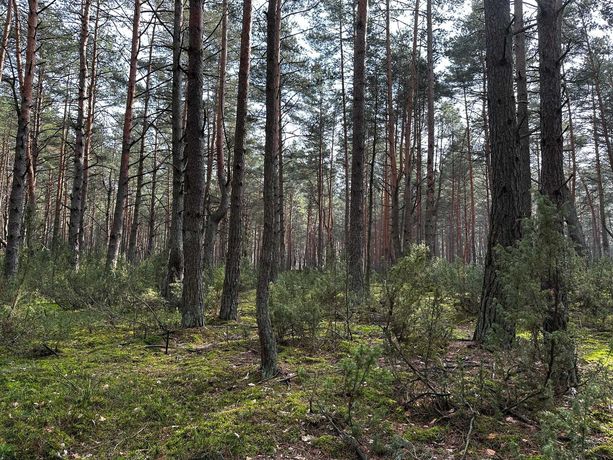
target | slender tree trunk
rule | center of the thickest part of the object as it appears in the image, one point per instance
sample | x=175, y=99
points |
x=32, y=161
x=408, y=198
x=116, y=234
x=471, y=179
x=192, y=308
x=174, y=270
x=355, y=246
x=229, y=297
x=5, y=35
x=523, y=120
x=595, y=68
x=138, y=199
x=430, y=203
x=268, y=346
x=153, y=199
x=59, y=191
x=17, y=196
x=601, y=198
x=215, y=216
x=346, y=235
x=77, y=180
x=394, y=184
x=505, y=219
x=371, y=183
x=89, y=125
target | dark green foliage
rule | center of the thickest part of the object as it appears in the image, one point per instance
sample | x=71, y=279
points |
x=300, y=301
x=414, y=305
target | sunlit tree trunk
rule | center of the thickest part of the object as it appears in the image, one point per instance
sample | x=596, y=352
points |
x=268, y=346
x=430, y=225
x=77, y=180
x=355, y=245
x=17, y=196
x=192, y=308
x=505, y=218
x=116, y=232
x=229, y=298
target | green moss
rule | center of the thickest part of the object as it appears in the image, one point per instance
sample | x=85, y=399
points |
x=602, y=452
x=329, y=444
x=425, y=434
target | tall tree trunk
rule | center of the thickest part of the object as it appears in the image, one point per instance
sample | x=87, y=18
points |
x=229, y=297
x=471, y=179
x=268, y=346
x=174, y=269
x=32, y=161
x=138, y=199
x=126, y=142
x=192, y=308
x=595, y=70
x=215, y=216
x=562, y=371
x=394, y=184
x=89, y=125
x=59, y=191
x=77, y=180
x=355, y=245
x=5, y=35
x=523, y=120
x=153, y=199
x=408, y=198
x=17, y=197
x=346, y=235
x=601, y=198
x=505, y=218
x=430, y=203
x=371, y=193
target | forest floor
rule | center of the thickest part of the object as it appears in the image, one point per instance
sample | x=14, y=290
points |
x=116, y=392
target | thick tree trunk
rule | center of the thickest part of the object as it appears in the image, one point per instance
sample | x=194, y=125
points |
x=116, y=233
x=192, y=308
x=562, y=371
x=18, y=187
x=355, y=245
x=229, y=297
x=505, y=218
x=268, y=346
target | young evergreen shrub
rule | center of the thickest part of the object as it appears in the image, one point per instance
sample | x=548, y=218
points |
x=460, y=284
x=544, y=252
x=413, y=304
x=593, y=293
x=567, y=431
x=294, y=307
x=215, y=288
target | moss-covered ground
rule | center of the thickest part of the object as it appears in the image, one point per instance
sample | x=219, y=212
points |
x=114, y=392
